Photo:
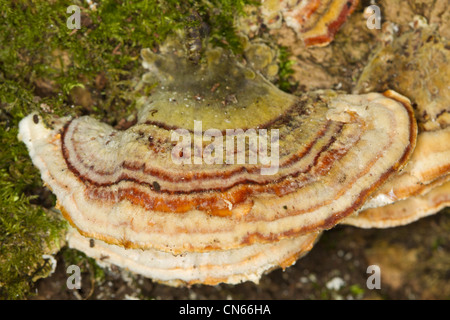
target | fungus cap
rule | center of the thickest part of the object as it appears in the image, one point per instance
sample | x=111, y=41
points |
x=123, y=187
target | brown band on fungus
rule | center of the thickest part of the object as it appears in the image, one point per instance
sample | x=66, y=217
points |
x=187, y=177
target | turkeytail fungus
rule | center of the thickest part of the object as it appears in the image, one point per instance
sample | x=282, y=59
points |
x=314, y=21
x=396, y=65
x=229, y=266
x=172, y=188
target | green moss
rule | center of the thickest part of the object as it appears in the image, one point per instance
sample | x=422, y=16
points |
x=26, y=231
x=356, y=291
x=286, y=71
x=86, y=264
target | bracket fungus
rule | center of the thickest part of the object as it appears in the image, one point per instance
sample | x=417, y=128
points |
x=171, y=198
x=405, y=211
x=248, y=263
x=404, y=64
x=315, y=22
